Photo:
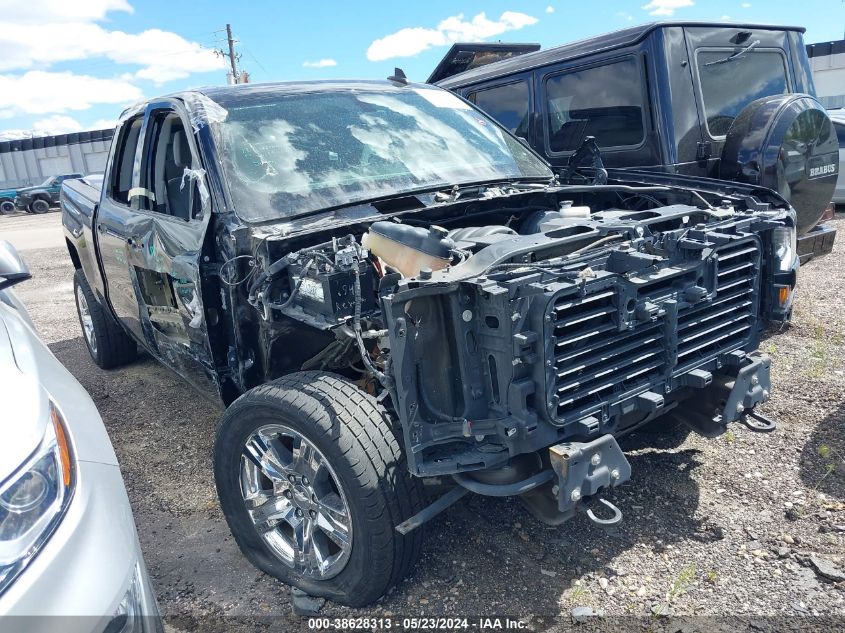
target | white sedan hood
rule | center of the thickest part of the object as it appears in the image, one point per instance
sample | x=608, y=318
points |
x=24, y=405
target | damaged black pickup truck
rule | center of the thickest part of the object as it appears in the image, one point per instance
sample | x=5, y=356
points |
x=381, y=284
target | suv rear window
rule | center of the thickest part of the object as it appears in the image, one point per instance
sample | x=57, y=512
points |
x=507, y=104
x=728, y=86
x=604, y=101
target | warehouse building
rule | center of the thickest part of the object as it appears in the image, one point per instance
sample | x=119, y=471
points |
x=31, y=161
x=827, y=60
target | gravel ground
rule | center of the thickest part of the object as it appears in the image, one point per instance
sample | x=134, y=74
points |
x=747, y=524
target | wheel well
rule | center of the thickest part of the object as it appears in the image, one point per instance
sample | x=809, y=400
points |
x=74, y=256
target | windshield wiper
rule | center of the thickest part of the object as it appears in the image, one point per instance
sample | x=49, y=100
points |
x=456, y=191
x=736, y=55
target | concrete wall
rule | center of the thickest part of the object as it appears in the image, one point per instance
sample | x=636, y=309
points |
x=24, y=163
x=827, y=59
x=829, y=76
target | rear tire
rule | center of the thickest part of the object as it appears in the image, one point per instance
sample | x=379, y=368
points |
x=107, y=342
x=39, y=206
x=352, y=435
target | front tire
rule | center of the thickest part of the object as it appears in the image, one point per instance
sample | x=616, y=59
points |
x=39, y=206
x=312, y=482
x=107, y=342
x=7, y=207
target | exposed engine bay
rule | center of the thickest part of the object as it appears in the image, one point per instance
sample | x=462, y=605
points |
x=562, y=324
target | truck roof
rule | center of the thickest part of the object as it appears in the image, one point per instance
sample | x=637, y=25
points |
x=242, y=92
x=599, y=43
x=231, y=95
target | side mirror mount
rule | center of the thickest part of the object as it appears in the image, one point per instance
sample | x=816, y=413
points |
x=13, y=270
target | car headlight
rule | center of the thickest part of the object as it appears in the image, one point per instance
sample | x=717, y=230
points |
x=34, y=499
x=133, y=614
x=784, y=247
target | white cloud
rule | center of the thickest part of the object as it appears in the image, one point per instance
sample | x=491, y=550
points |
x=666, y=7
x=40, y=11
x=412, y=40
x=746, y=5
x=56, y=124
x=550, y=9
x=35, y=34
x=162, y=55
x=14, y=135
x=321, y=63
x=103, y=124
x=41, y=92
x=725, y=18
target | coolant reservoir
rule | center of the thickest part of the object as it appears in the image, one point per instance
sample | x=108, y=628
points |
x=547, y=220
x=409, y=249
x=569, y=211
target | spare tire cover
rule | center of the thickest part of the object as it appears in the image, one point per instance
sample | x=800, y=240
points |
x=785, y=143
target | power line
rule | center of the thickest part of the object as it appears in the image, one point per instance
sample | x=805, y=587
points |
x=261, y=66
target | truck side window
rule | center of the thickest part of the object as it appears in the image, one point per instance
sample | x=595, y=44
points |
x=508, y=104
x=170, y=155
x=125, y=160
x=758, y=73
x=603, y=101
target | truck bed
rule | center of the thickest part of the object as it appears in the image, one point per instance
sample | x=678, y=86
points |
x=78, y=199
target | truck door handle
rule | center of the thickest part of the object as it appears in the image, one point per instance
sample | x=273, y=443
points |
x=130, y=241
x=101, y=228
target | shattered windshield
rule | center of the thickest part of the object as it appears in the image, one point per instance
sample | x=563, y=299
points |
x=289, y=154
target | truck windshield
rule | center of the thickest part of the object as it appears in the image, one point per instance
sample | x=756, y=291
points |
x=286, y=155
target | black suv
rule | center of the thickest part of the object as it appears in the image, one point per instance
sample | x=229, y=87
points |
x=726, y=101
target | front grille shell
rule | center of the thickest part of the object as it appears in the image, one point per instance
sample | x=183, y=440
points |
x=619, y=337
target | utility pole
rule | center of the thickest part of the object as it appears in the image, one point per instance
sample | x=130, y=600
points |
x=237, y=77
x=232, y=58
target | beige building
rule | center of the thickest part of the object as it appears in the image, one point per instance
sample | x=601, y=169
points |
x=30, y=161
x=827, y=59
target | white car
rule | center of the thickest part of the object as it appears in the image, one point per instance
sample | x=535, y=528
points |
x=68, y=545
x=838, y=117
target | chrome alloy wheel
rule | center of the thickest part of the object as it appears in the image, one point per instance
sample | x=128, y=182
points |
x=87, y=321
x=296, y=502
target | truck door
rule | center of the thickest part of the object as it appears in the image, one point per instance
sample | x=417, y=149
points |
x=165, y=246
x=112, y=220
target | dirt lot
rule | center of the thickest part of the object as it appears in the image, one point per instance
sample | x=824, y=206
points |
x=738, y=525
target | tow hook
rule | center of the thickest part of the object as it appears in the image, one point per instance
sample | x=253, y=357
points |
x=758, y=422
x=583, y=470
x=616, y=518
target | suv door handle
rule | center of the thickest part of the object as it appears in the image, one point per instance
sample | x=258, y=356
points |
x=130, y=241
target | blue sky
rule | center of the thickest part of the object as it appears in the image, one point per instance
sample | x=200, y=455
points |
x=72, y=65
